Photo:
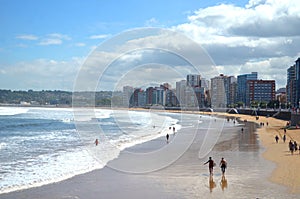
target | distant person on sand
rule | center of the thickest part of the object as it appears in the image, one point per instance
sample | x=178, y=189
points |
x=96, y=142
x=174, y=129
x=295, y=146
x=276, y=138
x=211, y=165
x=223, y=165
x=284, y=138
x=167, y=137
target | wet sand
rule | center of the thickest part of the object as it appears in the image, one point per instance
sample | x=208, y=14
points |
x=246, y=177
x=287, y=165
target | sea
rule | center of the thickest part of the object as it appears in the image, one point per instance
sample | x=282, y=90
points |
x=40, y=146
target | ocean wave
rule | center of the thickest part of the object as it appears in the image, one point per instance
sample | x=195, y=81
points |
x=12, y=110
x=39, y=172
x=2, y=145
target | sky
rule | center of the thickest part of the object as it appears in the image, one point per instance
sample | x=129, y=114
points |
x=46, y=45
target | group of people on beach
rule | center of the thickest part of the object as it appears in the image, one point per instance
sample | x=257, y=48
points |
x=212, y=164
x=293, y=145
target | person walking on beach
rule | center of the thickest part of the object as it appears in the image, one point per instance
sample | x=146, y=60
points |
x=276, y=138
x=284, y=138
x=223, y=165
x=295, y=146
x=167, y=137
x=291, y=147
x=211, y=165
x=96, y=142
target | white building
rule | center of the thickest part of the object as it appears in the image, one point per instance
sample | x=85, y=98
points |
x=218, y=92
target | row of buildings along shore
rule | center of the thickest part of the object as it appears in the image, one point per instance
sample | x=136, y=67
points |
x=222, y=91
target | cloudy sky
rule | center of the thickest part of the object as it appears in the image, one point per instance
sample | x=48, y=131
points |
x=47, y=44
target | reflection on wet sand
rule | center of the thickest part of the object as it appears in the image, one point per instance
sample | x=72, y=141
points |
x=211, y=183
x=223, y=183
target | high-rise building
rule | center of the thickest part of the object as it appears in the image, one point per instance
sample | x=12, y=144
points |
x=171, y=99
x=136, y=97
x=291, y=86
x=223, y=91
x=180, y=92
x=230, y=89
x=193, y=80
x=218, y=93
x=159, y=96
x=297, y=68
x=141, y=98
x=260, y=91
x=149, y=95
x=205, y=84
x=200, y=96
x=242, y=85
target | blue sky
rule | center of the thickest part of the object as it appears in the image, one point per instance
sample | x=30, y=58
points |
x=43, y=43
x=77, y=22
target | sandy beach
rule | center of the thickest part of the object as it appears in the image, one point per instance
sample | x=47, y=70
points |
x=249, y=175
x=287, y=170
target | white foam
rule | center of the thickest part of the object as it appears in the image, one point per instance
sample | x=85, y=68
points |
x=12, y=110
x=2, y=145
x=47, y=169
x=102, y=113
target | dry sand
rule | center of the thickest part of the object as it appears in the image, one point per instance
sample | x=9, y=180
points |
x=287, y=171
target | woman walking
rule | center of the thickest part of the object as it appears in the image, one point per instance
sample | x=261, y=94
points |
x=223, y=165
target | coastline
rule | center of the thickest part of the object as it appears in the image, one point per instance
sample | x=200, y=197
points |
x=185, y=178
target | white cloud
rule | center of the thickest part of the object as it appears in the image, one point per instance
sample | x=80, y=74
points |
x=239, y=26
x=50, y=41
x=54, y=39
x=59, y=36
x=40, y=74
x=27, y=37
x=142, y=57
x=103, y=36
x=262, y=36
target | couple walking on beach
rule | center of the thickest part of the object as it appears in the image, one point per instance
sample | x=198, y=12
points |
x=212, y=164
